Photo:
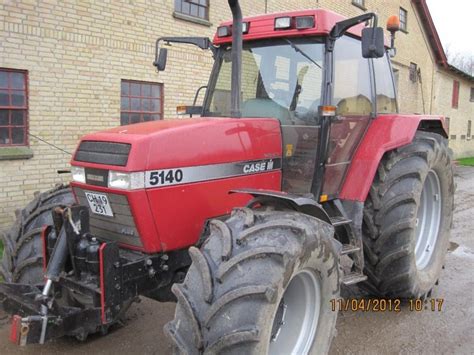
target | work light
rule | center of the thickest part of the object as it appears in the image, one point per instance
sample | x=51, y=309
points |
x=223, y=31
x=282, y=23
x=126, y=181
x=78, y=174
x=304, y=22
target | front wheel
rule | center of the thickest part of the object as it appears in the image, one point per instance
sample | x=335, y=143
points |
x=261, y=284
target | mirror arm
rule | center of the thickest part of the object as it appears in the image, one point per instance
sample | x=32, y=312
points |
x=201, y=42
x=342, y=26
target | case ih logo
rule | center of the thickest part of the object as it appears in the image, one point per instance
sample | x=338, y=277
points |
x=258, y=167
x=186, y=175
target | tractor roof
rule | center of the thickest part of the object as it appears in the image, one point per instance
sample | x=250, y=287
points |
x=263, y=26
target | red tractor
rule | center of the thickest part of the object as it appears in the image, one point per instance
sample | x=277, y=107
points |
x=298, y=177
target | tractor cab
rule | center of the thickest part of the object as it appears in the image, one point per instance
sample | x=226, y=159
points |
x=292, y=65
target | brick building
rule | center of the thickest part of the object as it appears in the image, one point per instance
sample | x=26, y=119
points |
x=72, y=67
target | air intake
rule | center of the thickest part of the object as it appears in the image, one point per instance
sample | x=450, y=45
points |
x=103, y=153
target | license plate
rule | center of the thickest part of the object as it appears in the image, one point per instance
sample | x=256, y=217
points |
x=99, y=204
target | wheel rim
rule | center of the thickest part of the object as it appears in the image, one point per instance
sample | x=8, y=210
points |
x=296, y=320
x=428, y=220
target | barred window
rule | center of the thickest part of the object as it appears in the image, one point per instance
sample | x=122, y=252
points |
x=413, y=72
x=455, y=97
x=403, y=19
x=13, y=107
x=140, y=102
x=194, y=8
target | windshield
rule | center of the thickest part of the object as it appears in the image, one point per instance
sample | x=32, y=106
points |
x=280, y=78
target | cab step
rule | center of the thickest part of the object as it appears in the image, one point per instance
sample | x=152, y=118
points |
x=349, y=249
x=353, y=278
x=339, y=221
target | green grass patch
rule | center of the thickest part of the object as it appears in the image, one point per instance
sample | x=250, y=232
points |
x=1, y=256
x=466, y=161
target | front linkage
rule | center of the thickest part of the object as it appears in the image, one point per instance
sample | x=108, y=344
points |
x=89, y=282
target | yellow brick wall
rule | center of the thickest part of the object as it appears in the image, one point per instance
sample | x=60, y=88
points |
x=460, y=143
x=77, y=51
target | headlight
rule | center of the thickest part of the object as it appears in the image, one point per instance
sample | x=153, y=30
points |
x=78, y=174
x=126, y=181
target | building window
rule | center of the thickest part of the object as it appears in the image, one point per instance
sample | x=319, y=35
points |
x=455, y=98
x=359, y=4
x=472, y=95
x=140, y=102
x=413, y=72
x=469, y=124
x=403, y=19
x=13, y=107
x=194, y=8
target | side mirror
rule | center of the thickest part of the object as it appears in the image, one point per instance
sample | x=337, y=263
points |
x=160, y=63
x=161, y=54
x=373, y=42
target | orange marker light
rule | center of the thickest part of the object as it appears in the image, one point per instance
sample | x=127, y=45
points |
x=181, y=110
x=328, y=110
x=393, y=24
x=323, y=198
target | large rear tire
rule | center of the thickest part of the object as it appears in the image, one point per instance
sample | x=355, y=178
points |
x=407, y=218
x=22, y=260
x=261, y=283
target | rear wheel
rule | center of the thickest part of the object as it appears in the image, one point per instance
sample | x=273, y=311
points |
x=407, y=218
x=261, y=283
x=22, y=260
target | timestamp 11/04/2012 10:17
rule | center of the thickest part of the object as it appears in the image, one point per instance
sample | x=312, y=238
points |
x=387, y=305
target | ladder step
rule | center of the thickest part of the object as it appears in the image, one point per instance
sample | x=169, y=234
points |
x=353, y=278
x=339, y=221
x=349, y=249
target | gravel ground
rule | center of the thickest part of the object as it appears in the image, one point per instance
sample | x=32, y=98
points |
x=450, y=331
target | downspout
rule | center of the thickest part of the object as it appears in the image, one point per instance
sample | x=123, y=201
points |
x=236, y=81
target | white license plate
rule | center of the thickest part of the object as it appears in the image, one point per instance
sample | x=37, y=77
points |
x=99, y=204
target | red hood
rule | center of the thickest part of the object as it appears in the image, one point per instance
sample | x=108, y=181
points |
x=191, y=142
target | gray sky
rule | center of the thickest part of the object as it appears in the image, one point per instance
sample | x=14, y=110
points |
x=454, y=20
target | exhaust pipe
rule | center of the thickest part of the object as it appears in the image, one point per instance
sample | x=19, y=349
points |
x=236, y=80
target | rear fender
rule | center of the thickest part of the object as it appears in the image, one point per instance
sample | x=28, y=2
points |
x=386, y=133
x=301, y=204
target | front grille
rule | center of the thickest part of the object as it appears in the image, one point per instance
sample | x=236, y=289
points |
x=119, y=228
x=103, y=153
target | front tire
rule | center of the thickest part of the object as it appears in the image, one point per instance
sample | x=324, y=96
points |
x=255, y=271
x=407, y=218
x=22, y=260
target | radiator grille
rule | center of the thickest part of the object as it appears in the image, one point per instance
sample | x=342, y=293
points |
x=103, y=153
x=119, y=228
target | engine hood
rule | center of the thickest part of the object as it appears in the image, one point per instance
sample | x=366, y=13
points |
x=189, y=142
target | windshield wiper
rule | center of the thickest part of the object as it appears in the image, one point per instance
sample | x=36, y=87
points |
x=299, y=50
